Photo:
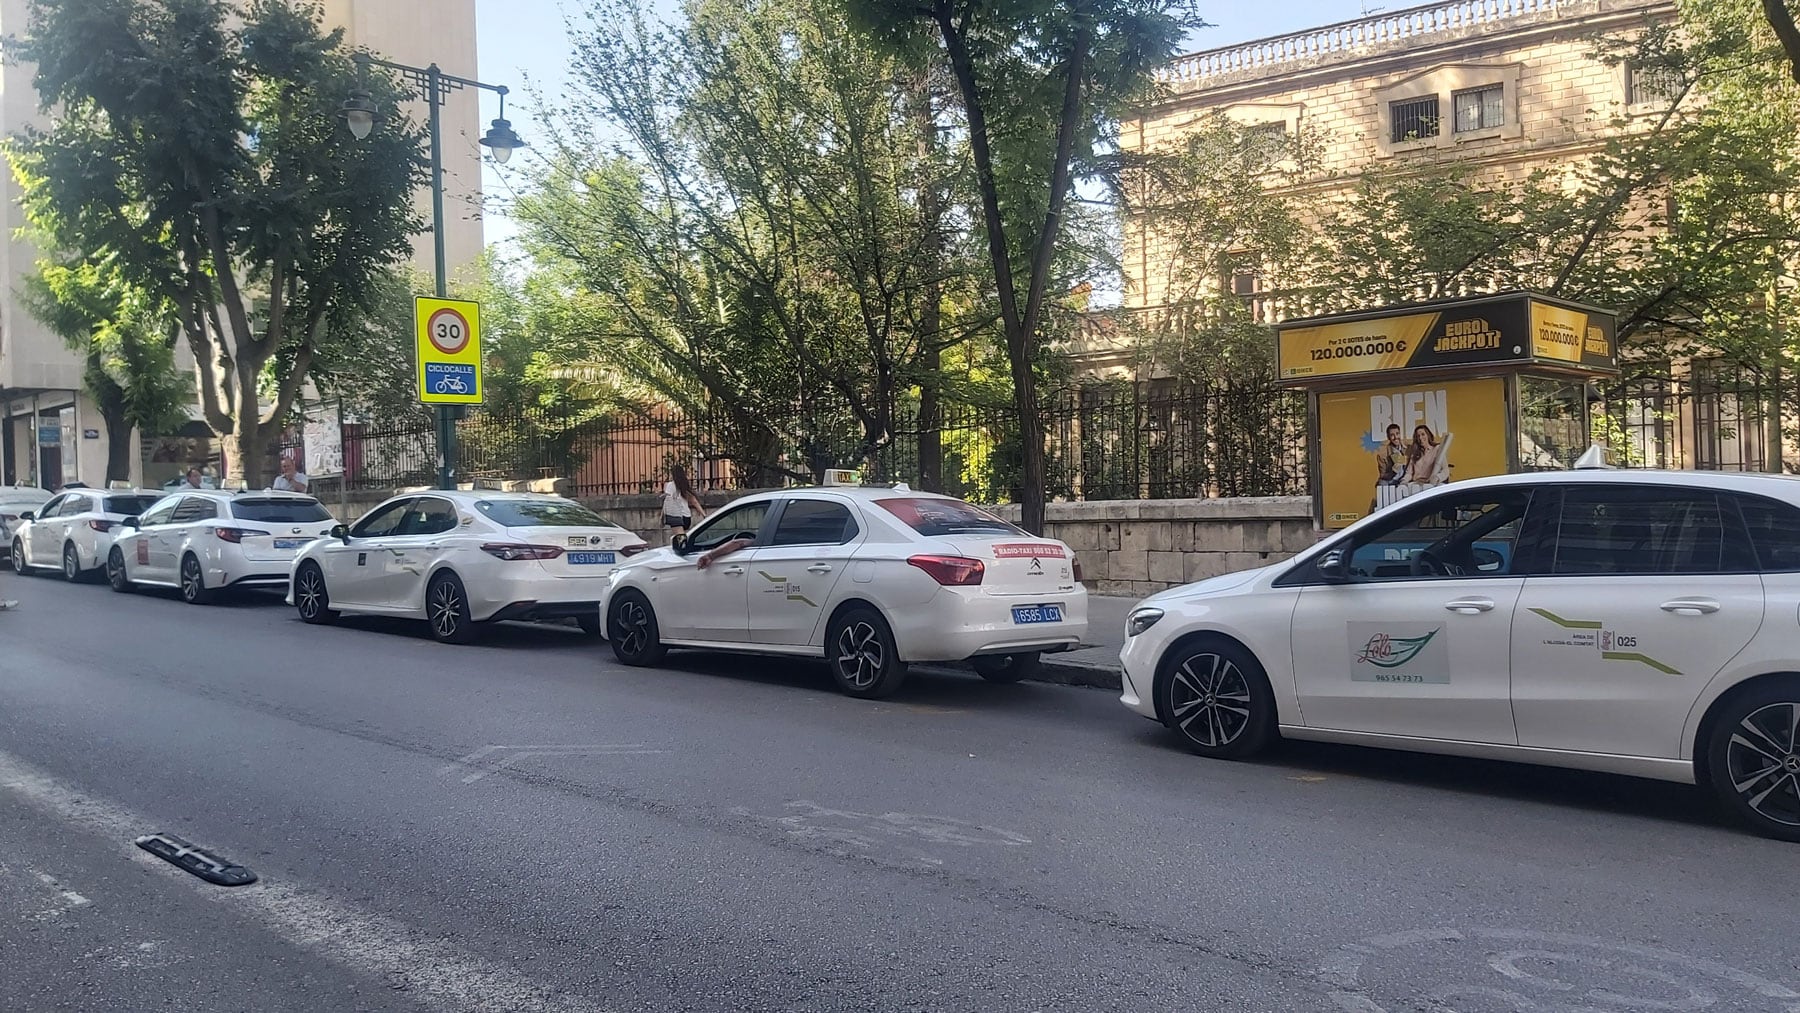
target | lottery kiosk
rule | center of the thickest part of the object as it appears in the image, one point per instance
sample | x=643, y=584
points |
x=1406, y=398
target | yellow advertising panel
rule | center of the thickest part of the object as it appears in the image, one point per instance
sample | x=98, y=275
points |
x=1362, y=346
x=1379, y=446
x=448, y=346
x=1564, y=334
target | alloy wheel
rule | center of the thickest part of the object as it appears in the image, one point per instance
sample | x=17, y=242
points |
x=115, y=571
x=18, y=557
x=309, y=594
x=71, y=564
x=1210, y=699
x=634, y=628
x=193, y=585
x=860, y=655
x=1763, y=761
x=445, y=609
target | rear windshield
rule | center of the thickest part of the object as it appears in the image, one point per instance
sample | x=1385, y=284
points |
x=129, y=505
x=541, y=513
x=931, y=516
x=279, y=511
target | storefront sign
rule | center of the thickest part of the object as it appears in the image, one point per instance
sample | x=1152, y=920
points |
x=1379, y=446
x=49, y=436
x=1511, y=329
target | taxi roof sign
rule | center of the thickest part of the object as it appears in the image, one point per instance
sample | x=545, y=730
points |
x=842, y=476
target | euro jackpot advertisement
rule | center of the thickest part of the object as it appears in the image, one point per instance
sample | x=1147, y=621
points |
x=1510, y=329
x=1379, y=446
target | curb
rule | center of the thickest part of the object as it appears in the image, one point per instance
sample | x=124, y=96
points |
x=1065, y=673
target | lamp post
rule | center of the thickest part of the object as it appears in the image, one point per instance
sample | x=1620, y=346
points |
x=360, y=114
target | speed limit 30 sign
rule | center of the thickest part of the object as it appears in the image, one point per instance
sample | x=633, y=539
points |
x=449, y=350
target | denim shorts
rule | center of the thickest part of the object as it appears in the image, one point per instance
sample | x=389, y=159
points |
x=672, y=521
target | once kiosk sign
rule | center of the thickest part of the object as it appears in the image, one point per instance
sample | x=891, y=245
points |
x=1517, y=329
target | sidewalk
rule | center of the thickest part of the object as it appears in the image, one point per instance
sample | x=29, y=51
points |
x=1097, y=662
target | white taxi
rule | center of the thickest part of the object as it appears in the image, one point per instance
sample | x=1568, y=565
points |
x=203, y=540
x=1635, y=622
x=870, y=579
x=462, y=559
x=15, y=502
x=75, y=530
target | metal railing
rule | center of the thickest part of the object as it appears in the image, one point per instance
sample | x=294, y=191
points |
x=1349, y=37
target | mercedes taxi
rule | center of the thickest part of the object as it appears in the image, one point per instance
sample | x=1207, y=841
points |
x=870, y=579
x=1636, y=622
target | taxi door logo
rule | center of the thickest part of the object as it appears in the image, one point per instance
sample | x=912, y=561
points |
x=1408, y=653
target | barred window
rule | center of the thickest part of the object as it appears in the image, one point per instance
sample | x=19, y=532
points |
x=1479, y=108
x=1414, y=119
x=1647, y=85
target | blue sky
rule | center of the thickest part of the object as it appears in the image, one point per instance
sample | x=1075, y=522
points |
x=523, y=42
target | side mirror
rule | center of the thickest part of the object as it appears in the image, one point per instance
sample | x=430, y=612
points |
x=28, y=516
x=679, y=544
x=1488, y=560
x=1333, y=567
x=129, y=522
x=341, y=533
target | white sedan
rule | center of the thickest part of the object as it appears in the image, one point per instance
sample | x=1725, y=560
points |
x=1634, y=622
x=75, y=530
x=870, y=579
x=203, y=540
x=460, y=559
x=16, y=501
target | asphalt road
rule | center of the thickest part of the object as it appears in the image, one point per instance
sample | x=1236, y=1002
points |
x=525, y=825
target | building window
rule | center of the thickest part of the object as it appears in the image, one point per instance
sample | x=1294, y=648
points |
x=1246, y=285
x=1480, y=108
x=1651, y=86
x=1414, y=119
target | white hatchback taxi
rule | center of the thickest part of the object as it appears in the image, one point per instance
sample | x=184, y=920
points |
x=203, y=541
x=869, y=578
x=462, y=559
x=76, y=530
x=1636, y=622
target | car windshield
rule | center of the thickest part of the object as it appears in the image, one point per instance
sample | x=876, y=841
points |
x=933, y=516
x=129, y=505
x=541, y=513
x=280, y=511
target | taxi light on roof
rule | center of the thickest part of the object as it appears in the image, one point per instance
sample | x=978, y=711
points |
x=842, y=476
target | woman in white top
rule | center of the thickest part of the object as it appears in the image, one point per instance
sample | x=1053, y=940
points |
x=681, y=508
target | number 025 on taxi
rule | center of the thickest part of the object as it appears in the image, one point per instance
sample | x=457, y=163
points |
x=448, y=348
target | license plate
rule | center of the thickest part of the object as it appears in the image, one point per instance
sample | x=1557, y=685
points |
x=289, y=543
x=591, y=558
x=1024, y=614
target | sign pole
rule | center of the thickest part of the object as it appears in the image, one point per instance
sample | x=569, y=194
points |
x=446, y=414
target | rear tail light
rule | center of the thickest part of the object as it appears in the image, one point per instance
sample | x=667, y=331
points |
x=632, y=550
x=1075, y=565
x=951, y=571
x=236, y=535
x=510, y=551
x=102, y=525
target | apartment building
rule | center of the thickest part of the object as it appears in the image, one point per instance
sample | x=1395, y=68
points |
x=49, y=431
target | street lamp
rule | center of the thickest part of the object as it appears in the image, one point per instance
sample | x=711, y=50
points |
x=360, y=114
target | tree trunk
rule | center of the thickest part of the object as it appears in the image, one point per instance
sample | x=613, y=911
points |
x=120, y=442
x=252, y=464
x=1031, y=444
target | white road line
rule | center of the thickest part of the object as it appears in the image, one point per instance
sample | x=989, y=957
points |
x=439, y=974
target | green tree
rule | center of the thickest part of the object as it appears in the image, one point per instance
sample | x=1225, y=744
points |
x=126, y=338
x=196, y=144
x=1042, y=84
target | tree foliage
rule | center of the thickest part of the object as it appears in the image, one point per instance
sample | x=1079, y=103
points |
x=196, y=145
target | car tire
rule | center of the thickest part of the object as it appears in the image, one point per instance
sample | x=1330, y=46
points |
x=1005, y=668
x=71, y=563
x=1215, y=697
x=631, y=626
x=447, y=610
x=859, y=647
x=590, y=625
x=311, y=599
x=1753, y=758
x=18, y=558
x=193, y=582
x=116, y=574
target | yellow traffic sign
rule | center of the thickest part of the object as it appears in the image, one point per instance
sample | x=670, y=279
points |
x=448, y=340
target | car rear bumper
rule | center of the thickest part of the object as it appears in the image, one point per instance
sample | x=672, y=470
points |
x=539, y=611
x=959, y=624
x=527, y=595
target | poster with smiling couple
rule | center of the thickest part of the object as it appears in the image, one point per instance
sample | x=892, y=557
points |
x=1380, y=446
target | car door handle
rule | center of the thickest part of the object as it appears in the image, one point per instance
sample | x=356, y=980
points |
x=735, y=571
x=1691, y=606
x=1470, y=606
x=819, y=568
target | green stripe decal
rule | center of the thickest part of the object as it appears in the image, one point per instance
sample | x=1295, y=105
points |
x=1568, y=624
x=1640, y=658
